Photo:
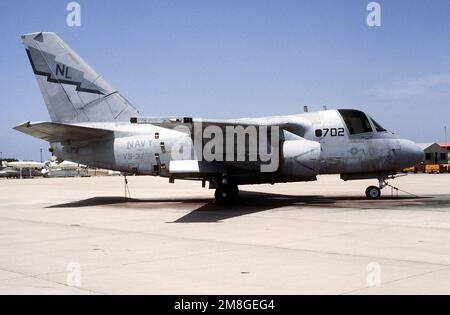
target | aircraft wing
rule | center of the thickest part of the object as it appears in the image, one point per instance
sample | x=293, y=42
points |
x=244, y=156
x=294, y=124
x=64, y=133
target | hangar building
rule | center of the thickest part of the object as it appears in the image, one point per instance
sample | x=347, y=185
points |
x=434, y=153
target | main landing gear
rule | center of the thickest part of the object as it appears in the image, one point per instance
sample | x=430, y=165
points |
x=226, y=192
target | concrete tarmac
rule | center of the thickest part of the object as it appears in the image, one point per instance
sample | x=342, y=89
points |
x=81, y=236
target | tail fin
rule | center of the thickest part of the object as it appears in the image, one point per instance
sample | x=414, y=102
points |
x=72, y=90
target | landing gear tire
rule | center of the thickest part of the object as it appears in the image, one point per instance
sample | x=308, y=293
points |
x=235, y=192
x=373, y=192
x=226, y=194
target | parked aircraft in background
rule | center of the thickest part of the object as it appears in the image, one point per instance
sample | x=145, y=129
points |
x=26, y=164
x=93, y=124
x=53, y=168
x=63, y=169
x=22, y=170
x=9, y=172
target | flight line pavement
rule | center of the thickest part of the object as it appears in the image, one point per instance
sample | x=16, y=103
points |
x=82, y=236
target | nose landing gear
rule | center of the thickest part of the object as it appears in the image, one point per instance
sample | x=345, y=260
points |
x=374, y=192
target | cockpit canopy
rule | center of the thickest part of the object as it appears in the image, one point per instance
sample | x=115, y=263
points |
x=378, y=127
x=358, y=122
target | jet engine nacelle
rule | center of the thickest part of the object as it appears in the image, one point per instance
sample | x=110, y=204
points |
x=300, y=158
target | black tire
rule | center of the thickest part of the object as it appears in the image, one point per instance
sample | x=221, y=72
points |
x=373, y=192
x=235, y=192
x=226, y=194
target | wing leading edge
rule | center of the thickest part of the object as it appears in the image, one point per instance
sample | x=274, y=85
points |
x=63, y=133
x=294, y=124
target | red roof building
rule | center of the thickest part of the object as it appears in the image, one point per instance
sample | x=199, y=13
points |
x=445, y=145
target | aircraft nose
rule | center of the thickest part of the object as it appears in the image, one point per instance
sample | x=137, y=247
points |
x=411, y=154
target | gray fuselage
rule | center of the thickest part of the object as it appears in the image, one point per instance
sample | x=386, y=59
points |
x=344, y=148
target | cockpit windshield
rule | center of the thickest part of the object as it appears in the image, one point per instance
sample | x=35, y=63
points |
x=356, y=121
x=378, y=127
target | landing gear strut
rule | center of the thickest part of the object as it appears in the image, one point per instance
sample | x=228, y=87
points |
x=226, y=193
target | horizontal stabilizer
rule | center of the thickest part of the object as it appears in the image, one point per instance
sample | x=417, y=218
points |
x=64, y=133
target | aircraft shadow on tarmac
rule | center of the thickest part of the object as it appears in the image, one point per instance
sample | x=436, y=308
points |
x=206, y=210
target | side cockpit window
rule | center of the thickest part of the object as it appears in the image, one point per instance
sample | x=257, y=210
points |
x=356, y=121
x=378, y=126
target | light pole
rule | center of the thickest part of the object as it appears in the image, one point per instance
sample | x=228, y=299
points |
x=41, y=155
x=445, y=132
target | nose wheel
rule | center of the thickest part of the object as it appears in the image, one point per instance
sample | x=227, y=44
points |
x=373, y=192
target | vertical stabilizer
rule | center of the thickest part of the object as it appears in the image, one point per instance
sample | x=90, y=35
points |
x=72, y=90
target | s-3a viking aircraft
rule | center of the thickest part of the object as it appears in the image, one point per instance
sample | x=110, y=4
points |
x=93, y=124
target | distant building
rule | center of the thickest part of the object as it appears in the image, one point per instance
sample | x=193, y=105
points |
x=447, y=147
x=434, y=153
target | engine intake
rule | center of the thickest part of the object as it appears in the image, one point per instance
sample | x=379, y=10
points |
x=300, y=158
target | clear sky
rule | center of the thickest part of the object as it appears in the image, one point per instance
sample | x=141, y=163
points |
x=242, y=58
